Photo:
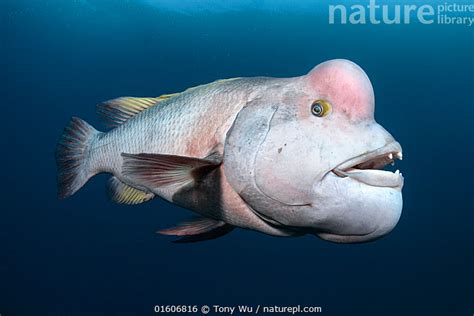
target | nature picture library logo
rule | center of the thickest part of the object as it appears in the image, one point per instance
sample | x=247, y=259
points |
x=447, y=13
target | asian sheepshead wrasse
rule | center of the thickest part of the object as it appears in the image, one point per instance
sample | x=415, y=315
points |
x=283, y=156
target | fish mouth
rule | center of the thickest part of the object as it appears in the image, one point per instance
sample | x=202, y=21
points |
x=367, y=168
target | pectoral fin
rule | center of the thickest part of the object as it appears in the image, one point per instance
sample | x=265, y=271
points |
x=155, y=170
x=121, y=193
x=198, y=229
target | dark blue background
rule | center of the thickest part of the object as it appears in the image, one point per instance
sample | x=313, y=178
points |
x=87, y=256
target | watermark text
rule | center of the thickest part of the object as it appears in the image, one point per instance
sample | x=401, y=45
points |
x=375, y=13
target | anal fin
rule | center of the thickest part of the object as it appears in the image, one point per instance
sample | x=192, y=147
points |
x=121, y=193
x=198, y=229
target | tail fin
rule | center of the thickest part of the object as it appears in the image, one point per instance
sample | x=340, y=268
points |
x=73, y=156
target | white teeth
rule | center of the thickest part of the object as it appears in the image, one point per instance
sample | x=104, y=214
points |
x=400, y=155
x=390, y=156
x=397, y=172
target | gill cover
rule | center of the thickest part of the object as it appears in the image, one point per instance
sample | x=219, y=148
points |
x=266, y=190
x=243, y=141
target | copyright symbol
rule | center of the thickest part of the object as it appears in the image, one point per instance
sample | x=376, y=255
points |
x=205, y=309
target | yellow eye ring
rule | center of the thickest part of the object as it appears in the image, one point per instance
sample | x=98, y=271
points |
x=320, y=108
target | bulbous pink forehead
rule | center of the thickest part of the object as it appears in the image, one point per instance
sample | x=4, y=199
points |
x=345, y=85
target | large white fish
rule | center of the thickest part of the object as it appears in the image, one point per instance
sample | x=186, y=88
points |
x=283, y=156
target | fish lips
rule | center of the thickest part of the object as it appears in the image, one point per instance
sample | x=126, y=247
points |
x=365, y=168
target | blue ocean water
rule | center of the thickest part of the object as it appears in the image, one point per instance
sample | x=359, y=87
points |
x=87, y=256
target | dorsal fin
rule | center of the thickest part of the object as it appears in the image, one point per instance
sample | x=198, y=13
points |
x=117, y=111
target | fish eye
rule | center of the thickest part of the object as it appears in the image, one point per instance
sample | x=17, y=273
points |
x=320, y=108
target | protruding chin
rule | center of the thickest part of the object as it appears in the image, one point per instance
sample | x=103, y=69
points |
x=352, y=239
x=384, y=227
x=355, y=212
